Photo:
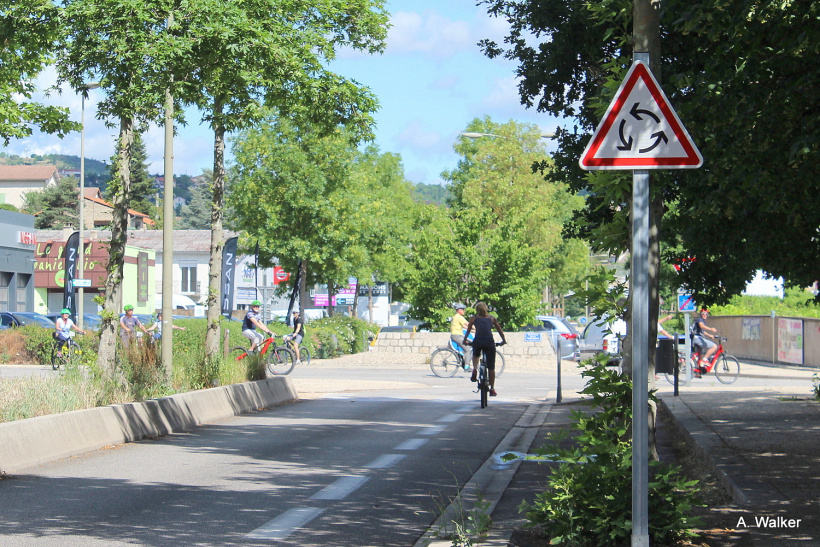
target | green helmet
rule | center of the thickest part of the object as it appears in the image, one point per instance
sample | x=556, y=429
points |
x=65, y=310
x=128, y=307
x=256, y=303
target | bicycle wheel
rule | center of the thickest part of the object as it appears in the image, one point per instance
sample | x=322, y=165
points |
x=683, y=378
x=444, y=362
x=499, y=363
x=727, y=369
x=57, y=360
x=237, y=353
x=483, y=387
x=304, y=356
x=72, y=353
x=281, y=361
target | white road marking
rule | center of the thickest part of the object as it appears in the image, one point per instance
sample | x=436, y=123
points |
x=286, y=523
x=450, y=418
x=384, y=461
x=411, y=444
x=466, y=408
x=341, y=488
x=432, y=430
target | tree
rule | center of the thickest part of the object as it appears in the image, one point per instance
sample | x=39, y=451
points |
x=125, y=46
x=196, y=214
x=142, y=184
x=251, y=55
x=28, y=31
x=502, y=231
x=314, y=199
x=55, y=206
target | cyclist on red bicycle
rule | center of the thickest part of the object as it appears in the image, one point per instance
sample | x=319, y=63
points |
x=250, y=323
x=699, y=329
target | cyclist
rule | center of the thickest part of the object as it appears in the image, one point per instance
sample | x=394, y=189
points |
x=157, y=326
x=457, y=328
x=298, y=332
x=484, y=342
x=129, y=325
x=250, y=323
x=62, y=332
x=699, y=329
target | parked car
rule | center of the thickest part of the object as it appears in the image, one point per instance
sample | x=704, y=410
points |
x=558, y=326
x=90, y=320
x=23, y=318
x=600, y=336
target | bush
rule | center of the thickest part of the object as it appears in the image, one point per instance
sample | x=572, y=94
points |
x=588, y=500
x=339, y=335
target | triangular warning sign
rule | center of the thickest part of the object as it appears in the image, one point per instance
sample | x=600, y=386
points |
x=640, y=130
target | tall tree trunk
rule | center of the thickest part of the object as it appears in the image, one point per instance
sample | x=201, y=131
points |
x=217, y=239
x=331, y=292
x=303, y=297
x=116, y=248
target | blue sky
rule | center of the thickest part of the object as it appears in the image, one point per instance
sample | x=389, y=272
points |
x=431, y=81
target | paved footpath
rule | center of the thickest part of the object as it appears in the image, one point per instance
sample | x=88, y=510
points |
x=763, y=443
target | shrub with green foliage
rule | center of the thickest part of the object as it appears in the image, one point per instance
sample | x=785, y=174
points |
x=588, y=500
x=338, y=335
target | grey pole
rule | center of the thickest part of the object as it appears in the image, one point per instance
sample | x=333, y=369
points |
x=81, y=228
x=558, y=396
x=167, y=350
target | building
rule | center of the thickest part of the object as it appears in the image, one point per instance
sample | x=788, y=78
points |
x=17, y=244
x=98, y=213
x=17, y=180
x=49, y=272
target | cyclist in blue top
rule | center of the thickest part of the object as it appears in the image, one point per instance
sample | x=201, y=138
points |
x=484, y=341
x=250, y=323
x=62, y=332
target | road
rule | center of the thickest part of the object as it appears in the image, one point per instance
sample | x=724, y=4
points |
x=370, y=457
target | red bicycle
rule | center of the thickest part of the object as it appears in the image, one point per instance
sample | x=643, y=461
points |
x=726, y=367
x=280, y=360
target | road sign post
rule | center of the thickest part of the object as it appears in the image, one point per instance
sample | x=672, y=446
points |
x=640, y=131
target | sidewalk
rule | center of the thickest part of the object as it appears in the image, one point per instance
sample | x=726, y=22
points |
x=763, y=444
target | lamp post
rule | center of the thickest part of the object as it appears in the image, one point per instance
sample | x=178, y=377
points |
x=471, y=135
x=80, y=305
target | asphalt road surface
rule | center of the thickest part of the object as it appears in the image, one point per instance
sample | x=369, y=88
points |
x=371, y=457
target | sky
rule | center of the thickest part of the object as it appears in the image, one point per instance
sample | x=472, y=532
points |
x=431, y=81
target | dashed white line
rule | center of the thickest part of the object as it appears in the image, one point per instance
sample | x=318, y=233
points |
x=384, y=461
x=432, y=430
x=450, y=418
x=341, y=488
x=286, y=523
x=411, y=444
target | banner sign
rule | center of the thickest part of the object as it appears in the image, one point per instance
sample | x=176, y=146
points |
x=71, y=257
x=228, y=266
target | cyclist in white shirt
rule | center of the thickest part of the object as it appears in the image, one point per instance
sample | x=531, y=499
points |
x=62, y=332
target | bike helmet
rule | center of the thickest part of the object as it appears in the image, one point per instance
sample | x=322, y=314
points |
x=128, y=307
x=460, y=307
x=65, y=310
x=256, y=303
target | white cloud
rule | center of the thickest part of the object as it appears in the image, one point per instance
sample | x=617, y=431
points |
x=428, y=32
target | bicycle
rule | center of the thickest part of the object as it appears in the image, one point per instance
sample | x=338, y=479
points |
x=483, y=376
x=726, y=367
x=447, y=360
x=69, y=355
x=304, y=353
x=280, y=360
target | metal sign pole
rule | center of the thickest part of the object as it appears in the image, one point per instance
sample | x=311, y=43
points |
x=640, y=352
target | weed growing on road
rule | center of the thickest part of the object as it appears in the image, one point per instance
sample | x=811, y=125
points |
x=466, y=526
x=815, y=384
x=588, y=500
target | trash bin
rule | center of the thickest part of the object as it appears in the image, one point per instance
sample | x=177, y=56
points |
x=665, y=356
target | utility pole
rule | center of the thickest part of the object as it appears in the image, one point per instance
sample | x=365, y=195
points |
x=166, y=347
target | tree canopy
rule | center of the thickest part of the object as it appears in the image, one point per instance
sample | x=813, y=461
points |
x=55, y=206
x=740, y=76
x=501, y=239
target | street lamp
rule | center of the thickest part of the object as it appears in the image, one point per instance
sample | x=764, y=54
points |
x=471, y=135
x=85, y=89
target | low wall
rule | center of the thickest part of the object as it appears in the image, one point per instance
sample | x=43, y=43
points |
x=756, y=337
x=26, y=443
x=425, y=343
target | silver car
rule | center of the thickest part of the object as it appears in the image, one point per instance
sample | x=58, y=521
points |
x=560, y=328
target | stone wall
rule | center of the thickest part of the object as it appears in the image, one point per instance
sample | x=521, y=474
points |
x=424, y=343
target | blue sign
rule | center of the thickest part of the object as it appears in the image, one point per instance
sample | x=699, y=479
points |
x=532, y=336
x=583, y=320
x=686, y=302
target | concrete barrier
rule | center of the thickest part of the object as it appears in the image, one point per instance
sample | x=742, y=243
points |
x=31, y=442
